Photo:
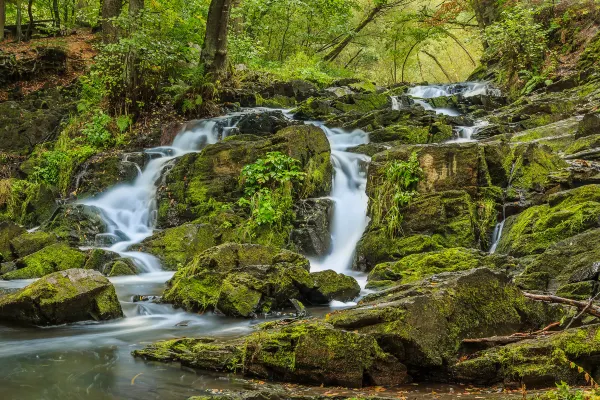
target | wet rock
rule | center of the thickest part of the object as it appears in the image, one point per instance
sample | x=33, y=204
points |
x=103, y=171
x=140, y=297
x=589, y=125
x=29, y=243
x=63, y=297
x=56, y=257
x=536, y=362
x=8, y=231
x=214, y=173
x=119, y=267
x=304, y=351
x=76, y=223
x=100, y=260
x=323, y=109
x=311, y=233
x=263, y=123
x=329, y=285
x=176, y=247
x=300, y=309
x=240, y=280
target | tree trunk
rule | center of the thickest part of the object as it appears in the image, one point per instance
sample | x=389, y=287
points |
x=2, y=18
x=486, y=13
x=214, y=50
x=110, y=9
x=19, y=20
x=338, y=48
x=434, y=58
x=135, y=6
x=56, y=14
x=30, y=25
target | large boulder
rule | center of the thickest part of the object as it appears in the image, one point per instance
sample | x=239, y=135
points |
x=262, y=123
x=305, y=351
x=8, y=231
x=565, y=214
x=56, y=257
x=199, y=183
x=246, y=279
x=62, y=297
x=76, y=223
x=423, y=324
x=567, y=356
x=30, y=242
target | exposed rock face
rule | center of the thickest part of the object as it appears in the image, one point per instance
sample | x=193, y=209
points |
x=537, y=363
x=311, y=233
x=244, y=279
x=213, y=174
x=76, y=224
x=305, y=351
x=63, y=297
x=8, y=231
x=262, y=123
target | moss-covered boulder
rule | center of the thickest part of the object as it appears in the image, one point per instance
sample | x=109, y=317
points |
x=329, y=285
x=76, y=223
x=356, y=103
x=29, y=243
x=423, y=324
x=8, y=231
x=240, y=280
x=305, y=351
x=119, y=267
x=246, y=279
x=199, y=183
x=565, y=214
x=262, y=123
x=176, y=247
x=417, y=266
x=62, y=297
x=56, y=257
x=430, y=222
x=566, y=356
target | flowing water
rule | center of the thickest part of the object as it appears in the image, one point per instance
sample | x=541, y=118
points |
x=92, y=360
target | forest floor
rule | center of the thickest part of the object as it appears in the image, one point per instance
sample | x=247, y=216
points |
x=80, y=51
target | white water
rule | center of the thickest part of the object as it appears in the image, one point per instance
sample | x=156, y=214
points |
x=465, y=133
x=466, y=89
x=497, y=235
x=350, y=210
x=129, y=210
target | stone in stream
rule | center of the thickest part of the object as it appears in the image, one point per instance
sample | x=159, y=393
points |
x=56, y=257
x=311, y=233
x=76, y=223
x=63, y=297
x=246, y=279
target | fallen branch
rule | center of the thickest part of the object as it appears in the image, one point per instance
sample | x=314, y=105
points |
x=515, y=337
x=582, y=305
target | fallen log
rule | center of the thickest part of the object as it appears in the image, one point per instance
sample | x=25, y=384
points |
x=582, y=305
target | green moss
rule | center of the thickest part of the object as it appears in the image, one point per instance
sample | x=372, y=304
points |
x=57, y=257
x=578, y=291
x=237, y=299
x=8, y=231
x=29, y=243
x=122, y=267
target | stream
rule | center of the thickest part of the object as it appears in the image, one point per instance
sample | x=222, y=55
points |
x=92, y=360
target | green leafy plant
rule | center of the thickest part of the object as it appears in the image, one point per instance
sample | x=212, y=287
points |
x=395, y=189
x=96, y=132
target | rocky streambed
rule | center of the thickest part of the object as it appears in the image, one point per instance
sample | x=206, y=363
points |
x=424, y=219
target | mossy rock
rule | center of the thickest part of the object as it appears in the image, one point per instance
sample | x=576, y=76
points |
x=329, y=285
x=8, y=231
x=423, y=324
x=29, y=243
x=240, y=279
x=578, y=291
x=175, y=247
x=99, y=259
x=572, y=260
x=430, y=222
x=537, y=362
x=418, y=266
x=200, y=183
x=76, y=223
x=310, y=352
x=121, y=267
x=566, y=214
x=63, y=297
x=56, y=257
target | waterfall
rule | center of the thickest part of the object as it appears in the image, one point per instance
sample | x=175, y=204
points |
x=129, y=210
x=350, y=202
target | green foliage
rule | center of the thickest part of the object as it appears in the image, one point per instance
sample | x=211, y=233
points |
x=565, y=392
x=268, y=192
x=517, y=41
x=96, y=132
x=395, y=190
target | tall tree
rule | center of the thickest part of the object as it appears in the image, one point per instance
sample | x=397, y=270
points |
x=380, y=7
x=110, y=9
x=30, y=25
x=56, y=14
x=19, y=21
x=2, y=18
x=214, y=50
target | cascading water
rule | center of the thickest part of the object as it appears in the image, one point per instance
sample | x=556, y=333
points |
x=350, y=211
x=465, y=133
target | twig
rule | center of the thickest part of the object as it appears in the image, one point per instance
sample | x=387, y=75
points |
x=582, y=311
